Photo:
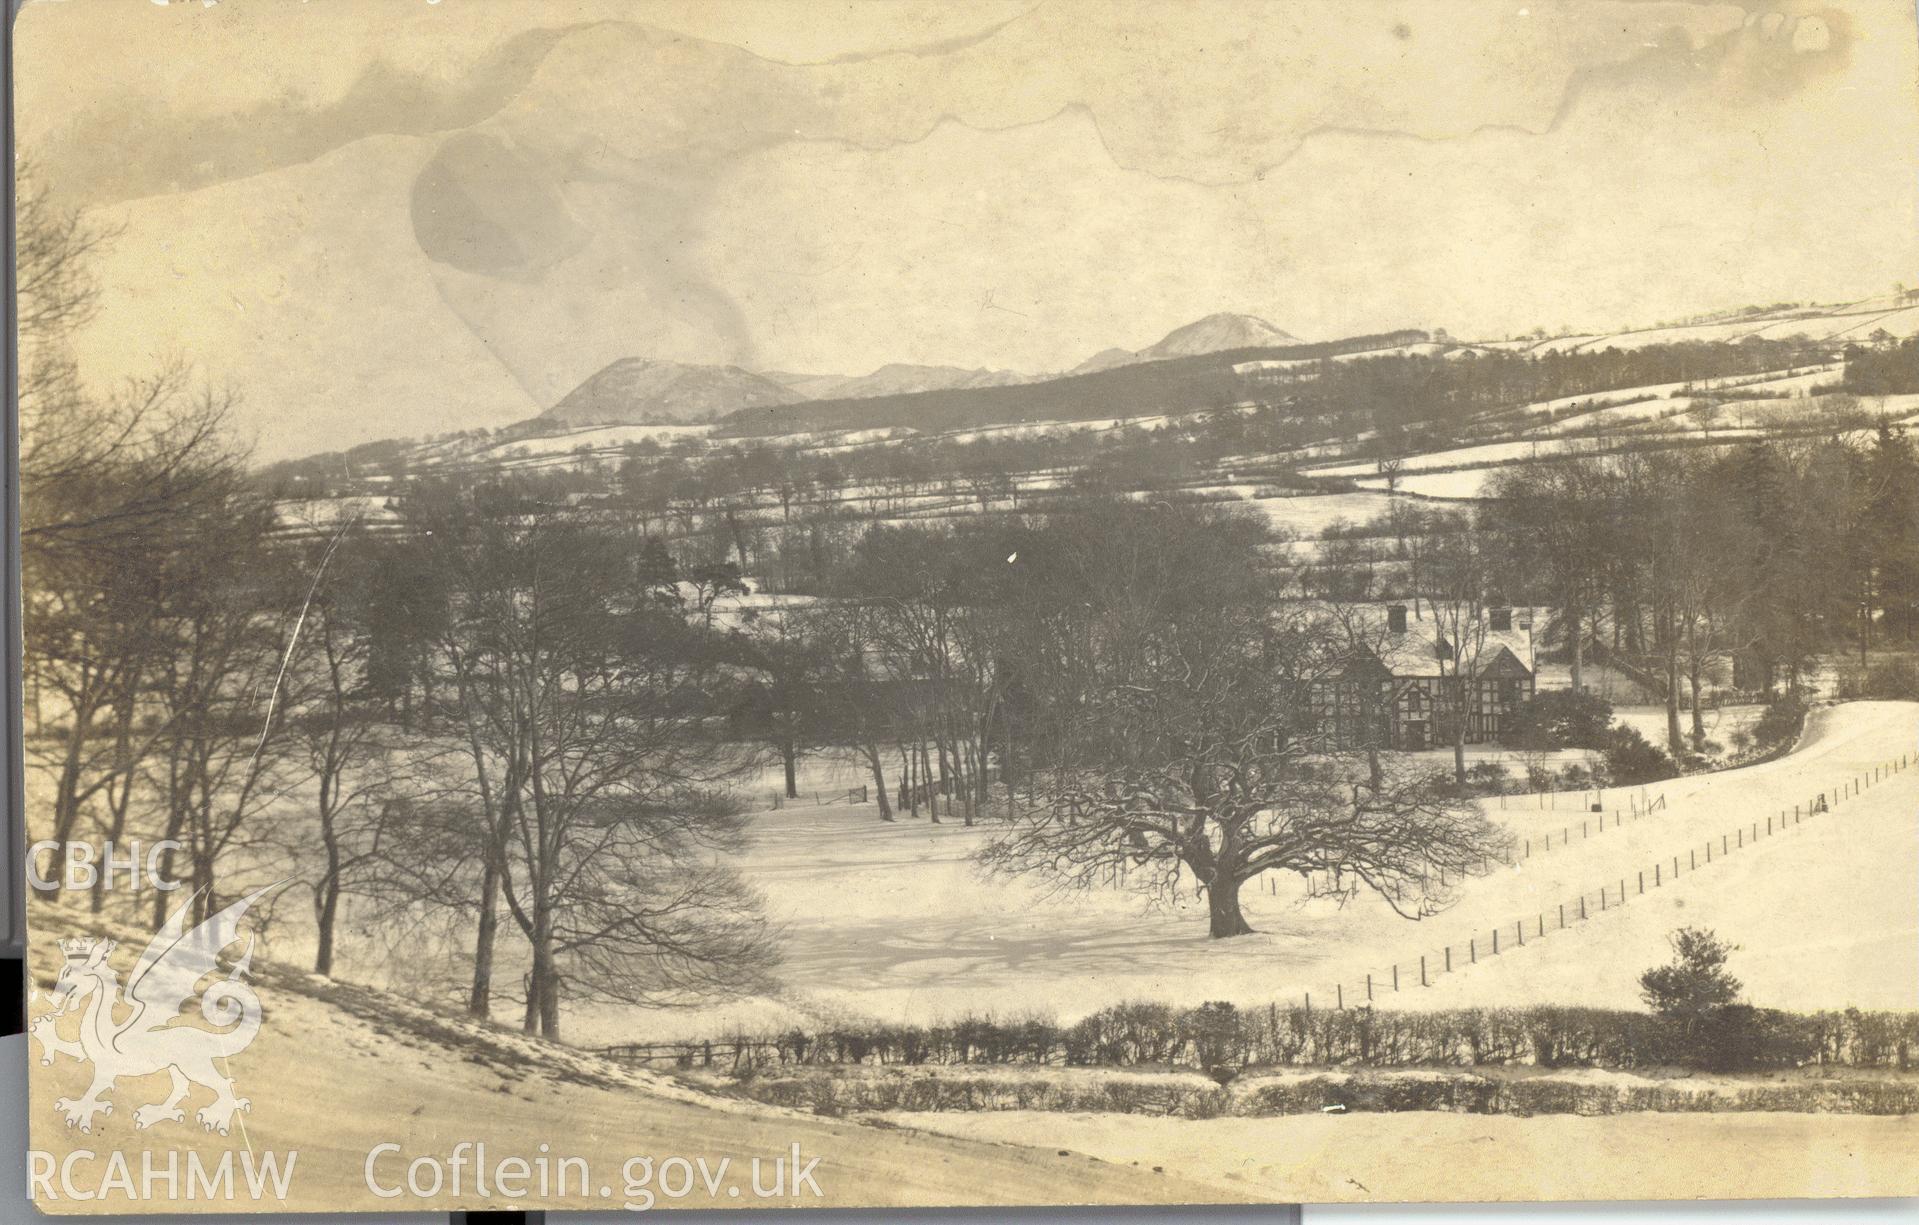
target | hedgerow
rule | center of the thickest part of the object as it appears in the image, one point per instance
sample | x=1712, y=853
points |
x=1218, y=1036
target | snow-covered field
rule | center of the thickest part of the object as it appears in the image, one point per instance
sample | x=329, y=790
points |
x=1775, y=894
x=1311, y=514
x=1466, y=483
x=1616, y=416
x=1459, y=457
x=1720, y=723
x=1851, y=326
x=336, y=1071
x=596, y=438
x=891, y=920
x=894, y=921
x=1427, y=1156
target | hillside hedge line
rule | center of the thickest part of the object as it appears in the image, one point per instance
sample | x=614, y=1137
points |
x=1218, y=1036
x=830, y=1091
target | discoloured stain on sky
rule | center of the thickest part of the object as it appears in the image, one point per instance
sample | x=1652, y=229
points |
x=459, y=211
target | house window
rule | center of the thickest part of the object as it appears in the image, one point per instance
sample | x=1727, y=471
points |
x=1502, y=620
x=1396, y=618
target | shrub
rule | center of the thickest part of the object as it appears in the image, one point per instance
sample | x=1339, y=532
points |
x=1696, y=982
x=1894, y=678
x=1487, y=776
x=1212, y=1033
x=1699, y=997
x=1560, y=719
x=1631, y=759
x=1779, y=724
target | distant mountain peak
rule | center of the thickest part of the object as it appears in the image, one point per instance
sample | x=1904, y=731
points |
x=638, y=389
x=1218, y=332
x=894, y=378
x=1213, y=334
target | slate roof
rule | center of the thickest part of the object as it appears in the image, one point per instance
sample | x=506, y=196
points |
x=1416, y=652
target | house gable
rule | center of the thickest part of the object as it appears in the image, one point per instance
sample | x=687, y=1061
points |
x=1505, y=666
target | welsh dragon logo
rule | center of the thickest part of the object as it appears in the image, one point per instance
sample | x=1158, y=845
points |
x=134, y=1032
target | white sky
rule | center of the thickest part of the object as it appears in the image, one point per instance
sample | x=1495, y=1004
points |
x=455, y=212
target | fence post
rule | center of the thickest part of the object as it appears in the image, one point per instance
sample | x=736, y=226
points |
x=1369, y=987
x=1519, y=929
x=1495, y=941
x=1449, y=959
x=1562, y=914
x=1582, y=908
x=1642, y=880
x=1422, y=970
x=1395, y=976
x=1472, y=948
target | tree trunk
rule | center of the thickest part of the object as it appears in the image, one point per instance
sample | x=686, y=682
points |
x=1222, y=901
x=1674, y=740
x=160, y=897
x=326, y=912
x=480, y=1000
x=790, y=758
x=550, y=1005
x=926, y=784
x=909, y=782
x=542, y=993
x=879, y=782
x=1459, y=731
x=1698, y=717
x=1579, y=648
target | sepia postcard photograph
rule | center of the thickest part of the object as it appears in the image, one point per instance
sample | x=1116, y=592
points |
x=649, y=604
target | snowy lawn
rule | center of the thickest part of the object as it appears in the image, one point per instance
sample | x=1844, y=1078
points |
x=1466, y=483
x=893, y=921
x=1427, y=1156
x=1311, y=514
x=337, y=1070
x=1650, y=720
